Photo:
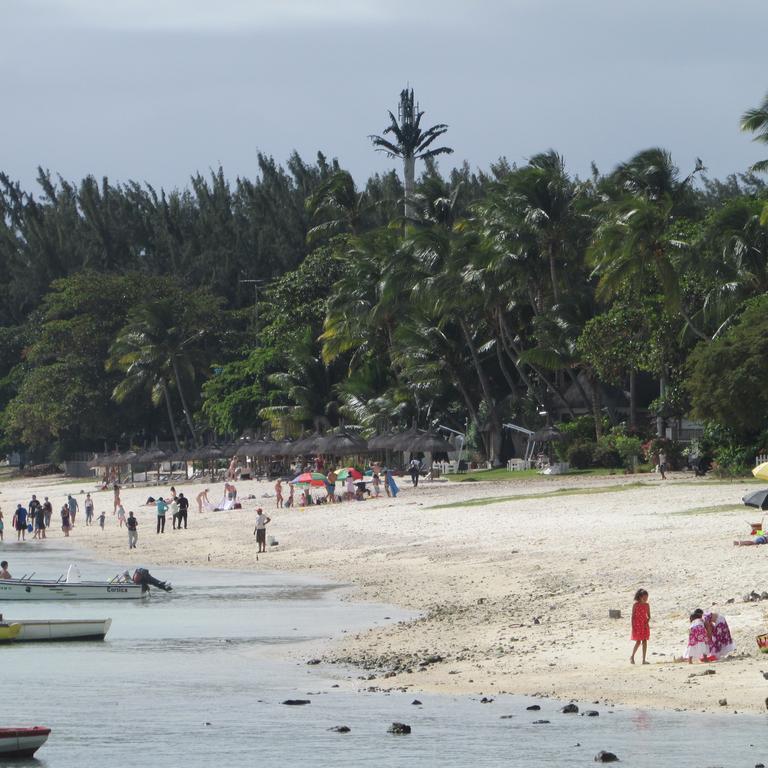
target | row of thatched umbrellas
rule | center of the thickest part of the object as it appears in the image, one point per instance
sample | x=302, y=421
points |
x=334, y=444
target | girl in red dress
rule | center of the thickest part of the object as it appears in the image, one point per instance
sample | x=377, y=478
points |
x=641, y=619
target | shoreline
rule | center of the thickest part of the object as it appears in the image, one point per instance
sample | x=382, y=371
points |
x=512, y=593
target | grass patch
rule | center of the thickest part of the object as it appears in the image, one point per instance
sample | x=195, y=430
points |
x=717, y=509
x=502, y=473
x=545, y=495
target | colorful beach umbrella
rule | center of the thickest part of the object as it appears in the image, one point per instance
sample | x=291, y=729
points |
x=343, y=474
x=761, y=471
x=310, y=478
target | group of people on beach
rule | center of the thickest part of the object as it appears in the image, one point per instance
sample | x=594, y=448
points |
x=709, y=636
x=352, y=488
x=36, y=518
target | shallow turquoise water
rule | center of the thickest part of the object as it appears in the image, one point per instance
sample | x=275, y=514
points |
x=196, y=678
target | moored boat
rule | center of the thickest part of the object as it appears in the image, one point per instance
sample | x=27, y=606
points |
x=40, y=630
x=22, y=741
x=40, y=589
x=122, y=587
x=9, y=632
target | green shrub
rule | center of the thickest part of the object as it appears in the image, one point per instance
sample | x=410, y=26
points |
x=606, y=454
x=581, y=454
x=629, y=449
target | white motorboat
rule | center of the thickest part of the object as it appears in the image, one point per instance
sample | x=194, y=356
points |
x=22, y=741
x=122, y=587
x=39, y=589
x=38, y=630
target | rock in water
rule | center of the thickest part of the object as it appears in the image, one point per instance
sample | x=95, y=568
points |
x=399, y=728
x=296, y=702
x=312, y=662
x=416, y=702
x=533, y=708
x=340, y=729
x=606, y=757
x=570, y=709
x=591, y=713
x=540, y=722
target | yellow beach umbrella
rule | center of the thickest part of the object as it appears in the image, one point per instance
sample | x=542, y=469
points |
x=761, y=471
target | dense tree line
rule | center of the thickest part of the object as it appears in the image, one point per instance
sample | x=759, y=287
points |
x=495, y=297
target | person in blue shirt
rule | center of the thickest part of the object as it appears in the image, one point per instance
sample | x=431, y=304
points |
x=20, y=523
x=73, y=506
x=162, y=508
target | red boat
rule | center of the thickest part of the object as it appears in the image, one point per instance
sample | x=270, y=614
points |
x=22, y=741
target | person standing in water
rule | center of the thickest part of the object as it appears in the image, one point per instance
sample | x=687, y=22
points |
x=641, y=620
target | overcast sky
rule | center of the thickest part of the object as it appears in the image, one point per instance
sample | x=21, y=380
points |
x=155, y=90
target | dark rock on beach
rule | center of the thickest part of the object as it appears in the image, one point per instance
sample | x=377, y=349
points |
x=399, y=728
x=296, y=702
x=570, y=709
x=312, y=662
x=606, y=757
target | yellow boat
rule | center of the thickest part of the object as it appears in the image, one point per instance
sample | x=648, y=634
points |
x=9, y=632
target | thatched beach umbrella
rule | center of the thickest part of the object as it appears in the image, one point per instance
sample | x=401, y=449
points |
x=431, y=442
x=307, y=445
x=405, y=441
x=342, y=444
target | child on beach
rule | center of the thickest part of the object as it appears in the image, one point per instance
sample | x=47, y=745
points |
x=120, y=514
x=641, y=619
x=698, y=642
x=102, y=518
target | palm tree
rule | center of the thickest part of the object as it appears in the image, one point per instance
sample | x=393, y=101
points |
x=160, y=349
x=756, y=121
x=410, y=144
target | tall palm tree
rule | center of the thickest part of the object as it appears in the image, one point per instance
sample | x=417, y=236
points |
x=410, y=143
x=756, y=121
x=158, y=351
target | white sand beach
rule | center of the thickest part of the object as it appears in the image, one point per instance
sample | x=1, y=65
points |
x=513, y=592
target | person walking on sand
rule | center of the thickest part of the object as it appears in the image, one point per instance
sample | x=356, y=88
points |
x=183, y=503
x=4, y=573
x=641, y=619
x=72, y=504
x=260, y=531
x=279, y=493
x=48, y=510
x=202, y=498
x=290, y=502
x=65, y=522
x=414, y=469
x=162, y=508
x=102, y=520
x=39, y=522
x=663, y=465
x=121, y=515
x=174, y=509
x=88, y=507
x=2, y=525
x=376, y=485
x=116, y=501
x=133, y=535
x=19, y=522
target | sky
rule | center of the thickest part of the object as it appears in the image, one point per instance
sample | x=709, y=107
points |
x=156, y=90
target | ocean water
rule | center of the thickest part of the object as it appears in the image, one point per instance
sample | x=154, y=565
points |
x=196, y=678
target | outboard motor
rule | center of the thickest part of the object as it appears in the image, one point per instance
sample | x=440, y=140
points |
x=145, y=578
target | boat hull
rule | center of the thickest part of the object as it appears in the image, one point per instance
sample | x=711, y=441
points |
x=59, y=630
x=22, y=742
x=24, y=589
